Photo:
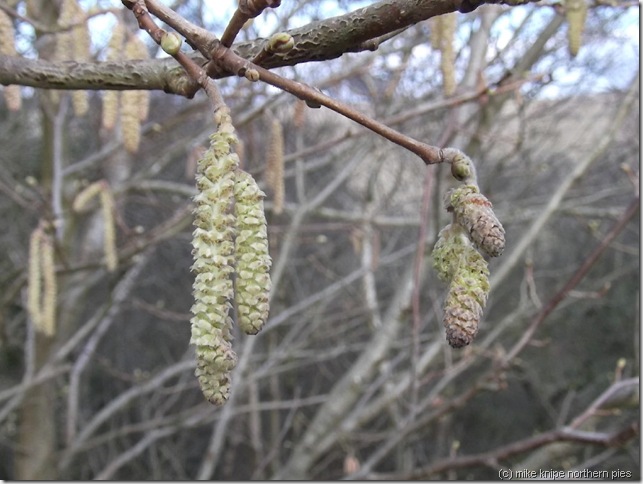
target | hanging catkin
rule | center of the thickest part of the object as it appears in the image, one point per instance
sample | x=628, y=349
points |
x=456, y=255
x=108, y=207
x=50, y=291
x=576, y=14
x=34, y=277
x=252, y=282
x=435, y=32
x=214, y=259
x=447, y=52
x=134, y=103
x=111, y=99
x=458, y=262
x=42, y=293
x=73, y=43
x=11, y=93
x=475, y=213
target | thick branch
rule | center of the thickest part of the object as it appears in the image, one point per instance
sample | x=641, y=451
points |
x=156, y=74
x=317, y=41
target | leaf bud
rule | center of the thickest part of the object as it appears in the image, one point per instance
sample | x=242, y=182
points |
x=171, y=43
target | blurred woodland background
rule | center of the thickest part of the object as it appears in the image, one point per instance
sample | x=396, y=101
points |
x=352, y=376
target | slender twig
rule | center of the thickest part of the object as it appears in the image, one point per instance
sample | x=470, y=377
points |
x=194, y=71
x=120, y=293
x=587, y=264
x=57, y=168
x=198, y=37
x=234, y=63
x=246, y=10
x=490, y=459
x=427, y=195
x=614, y=392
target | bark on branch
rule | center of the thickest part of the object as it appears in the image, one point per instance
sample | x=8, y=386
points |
x=317, y=41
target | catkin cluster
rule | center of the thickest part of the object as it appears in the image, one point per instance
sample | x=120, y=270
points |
x=458, y=253
x=131, y=107
x=231, y=261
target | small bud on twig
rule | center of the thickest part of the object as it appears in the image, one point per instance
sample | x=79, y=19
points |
x=171, y=43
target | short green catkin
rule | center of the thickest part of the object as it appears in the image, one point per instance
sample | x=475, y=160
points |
x=457, y=261
x=474, y=212
x=457, y=255
x=214, y=258
x=252, y=282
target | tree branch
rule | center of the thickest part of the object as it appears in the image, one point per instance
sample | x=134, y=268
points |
x=317, y=41
x=617, y=438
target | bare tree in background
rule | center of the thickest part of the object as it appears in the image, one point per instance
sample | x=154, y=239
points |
x=351, y=376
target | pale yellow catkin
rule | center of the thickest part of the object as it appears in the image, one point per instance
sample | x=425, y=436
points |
x=275, y=165
x=447, y=48
x=72, y=43
x=34, y=277
x=435, y=32
x=109, y=233
x=299, y=115
x=86, y=195
x=137, y=50
x=252, y=282
x=64, y=40
x=576, y=14
x=12, y=95
x=214, y=261
x=134, y=103
x=50, y=290
x=111, y=99
x=82, y=52
x=108, y=207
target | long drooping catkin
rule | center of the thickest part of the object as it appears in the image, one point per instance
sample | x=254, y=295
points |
x=447, y=53
x=73, y=43
x=108, y=207
x=134, y=104
x=252, y=282
x=34, y=277
x=50, y=288
x=214, y=259
x=42, y=292
x=576, y=15
x=111, y=99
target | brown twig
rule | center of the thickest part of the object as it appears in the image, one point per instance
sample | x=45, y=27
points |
x=194, y=71
x=234, y=63
x=572, y=282
x=246, y=10
x=490, y=459
x=198, y=37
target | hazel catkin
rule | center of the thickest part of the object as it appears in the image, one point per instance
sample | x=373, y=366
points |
x=457, y=261
x=214, y=257
x=252, y=282
x=474, y=212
